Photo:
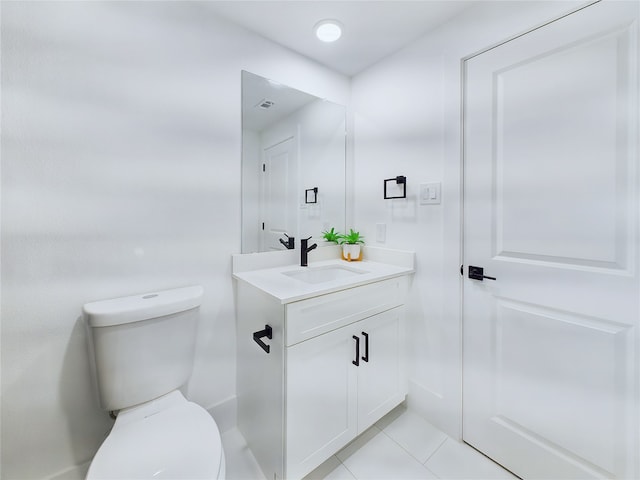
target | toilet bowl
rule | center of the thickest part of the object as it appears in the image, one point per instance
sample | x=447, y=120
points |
x=141, y=352
x=168, y=438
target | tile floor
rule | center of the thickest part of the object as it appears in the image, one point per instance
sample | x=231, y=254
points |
x=402, y=445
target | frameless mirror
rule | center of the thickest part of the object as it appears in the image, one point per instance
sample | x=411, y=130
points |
x=293, y=165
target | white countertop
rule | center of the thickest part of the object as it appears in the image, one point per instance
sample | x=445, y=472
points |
x=287, y=289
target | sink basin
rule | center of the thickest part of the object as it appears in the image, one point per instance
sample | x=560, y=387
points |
x=327, y=273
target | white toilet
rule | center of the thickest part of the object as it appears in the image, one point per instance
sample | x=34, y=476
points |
x=141, y=351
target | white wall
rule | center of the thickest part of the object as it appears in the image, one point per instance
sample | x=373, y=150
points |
x=120, y=175
x=322, y=165
x=407, y=118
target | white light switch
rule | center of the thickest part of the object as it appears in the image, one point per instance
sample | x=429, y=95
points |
x=429, y=193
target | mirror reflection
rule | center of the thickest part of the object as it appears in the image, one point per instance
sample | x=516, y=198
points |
x=293, y=165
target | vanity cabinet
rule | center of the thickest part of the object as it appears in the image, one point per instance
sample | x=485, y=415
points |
x=339, y=384
x=335, y=366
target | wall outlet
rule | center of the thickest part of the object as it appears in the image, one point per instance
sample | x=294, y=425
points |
x=381, y=232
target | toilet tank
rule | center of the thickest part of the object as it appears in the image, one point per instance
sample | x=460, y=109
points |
x=142, y=346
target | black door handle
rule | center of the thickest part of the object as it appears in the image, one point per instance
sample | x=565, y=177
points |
x=477, y=273
x=365, y=357
x=257, y=336
x=356, y=362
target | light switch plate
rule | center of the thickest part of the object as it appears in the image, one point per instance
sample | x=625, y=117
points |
x=430, y=193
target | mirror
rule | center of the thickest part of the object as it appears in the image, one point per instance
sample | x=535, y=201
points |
x=293, y=165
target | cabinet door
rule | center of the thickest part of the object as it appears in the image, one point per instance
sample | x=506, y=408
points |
x=382, y=381
x=320, y=400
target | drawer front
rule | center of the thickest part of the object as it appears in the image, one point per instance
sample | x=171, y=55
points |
x=308, y=318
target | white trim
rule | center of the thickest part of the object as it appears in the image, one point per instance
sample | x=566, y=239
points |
x=528, y=31
x=225, y=413
x=76, y=472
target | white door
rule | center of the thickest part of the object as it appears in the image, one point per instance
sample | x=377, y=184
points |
x=279, y=206
x=551, y=357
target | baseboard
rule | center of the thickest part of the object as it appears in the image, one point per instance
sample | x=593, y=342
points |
x=77, y=472
x=435, y=409
x=225, y=413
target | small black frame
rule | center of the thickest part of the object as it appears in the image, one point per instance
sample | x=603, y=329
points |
x=311, y=195
x=400, y=180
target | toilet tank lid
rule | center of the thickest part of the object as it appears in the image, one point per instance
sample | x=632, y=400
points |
x=136, y=308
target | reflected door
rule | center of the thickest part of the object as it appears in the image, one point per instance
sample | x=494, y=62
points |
x=550, y=350
x=279, y=206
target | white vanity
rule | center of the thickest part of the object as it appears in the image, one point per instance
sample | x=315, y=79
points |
x=334, y=362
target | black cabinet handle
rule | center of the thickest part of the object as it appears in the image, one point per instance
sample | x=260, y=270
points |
x=259, y=335
x=356, y=362
x=365, y=357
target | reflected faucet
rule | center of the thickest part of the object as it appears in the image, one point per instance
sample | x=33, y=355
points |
x=304, y=250
x=289, y=243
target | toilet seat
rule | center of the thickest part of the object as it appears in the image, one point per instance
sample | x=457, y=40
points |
x=168, y=438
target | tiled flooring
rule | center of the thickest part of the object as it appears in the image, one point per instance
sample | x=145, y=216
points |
x=400, y=446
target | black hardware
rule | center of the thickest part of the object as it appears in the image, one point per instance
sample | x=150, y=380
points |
x=400, y=180
x=365, y=357
x=477, y=273
x=289, y=243
x=311, y=195
x=257, y=336
x=356, y=362
x=304, y=250
x=462, y=270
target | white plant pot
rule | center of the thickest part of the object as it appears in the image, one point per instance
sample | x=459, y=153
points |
x=351, y=252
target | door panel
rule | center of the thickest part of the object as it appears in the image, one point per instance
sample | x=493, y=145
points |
x=381, y=379
x=566, y=366
x=321, y=400
x=550, y=350
x=548, y=114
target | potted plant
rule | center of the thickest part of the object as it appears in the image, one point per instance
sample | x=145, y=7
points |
x=351, y=242
x=331, y=235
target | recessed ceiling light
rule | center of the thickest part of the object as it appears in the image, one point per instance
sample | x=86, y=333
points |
x=328, y=30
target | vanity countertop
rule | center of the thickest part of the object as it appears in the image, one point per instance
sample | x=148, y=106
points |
x=280, y=281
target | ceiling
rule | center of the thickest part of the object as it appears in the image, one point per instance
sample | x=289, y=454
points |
x=373, y=29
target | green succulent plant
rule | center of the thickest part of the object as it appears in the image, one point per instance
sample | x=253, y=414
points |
x=351, y=238
x=331, y=235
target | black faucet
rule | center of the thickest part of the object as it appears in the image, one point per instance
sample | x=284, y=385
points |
x=304, y=249
x=289, y=243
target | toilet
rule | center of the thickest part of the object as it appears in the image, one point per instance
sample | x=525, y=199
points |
x=141, y=351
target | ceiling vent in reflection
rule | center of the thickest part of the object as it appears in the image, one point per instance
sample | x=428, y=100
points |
x=264, y=103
